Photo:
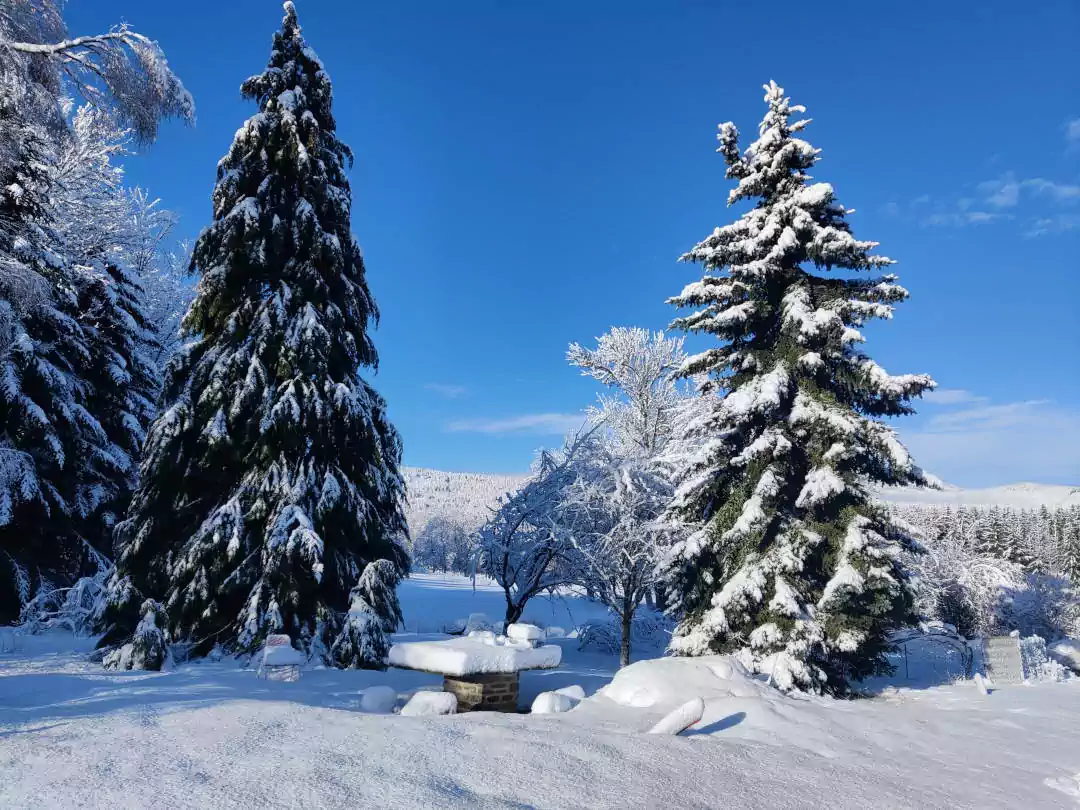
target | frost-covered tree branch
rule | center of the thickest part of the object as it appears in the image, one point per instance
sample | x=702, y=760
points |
x=121, y=70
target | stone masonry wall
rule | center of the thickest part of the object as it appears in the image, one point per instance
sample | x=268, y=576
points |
x=497, y=693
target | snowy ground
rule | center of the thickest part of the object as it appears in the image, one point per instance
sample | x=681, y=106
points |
x=212, y=735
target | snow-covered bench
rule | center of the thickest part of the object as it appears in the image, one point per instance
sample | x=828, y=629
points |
x=482, y=670
x=280, y=660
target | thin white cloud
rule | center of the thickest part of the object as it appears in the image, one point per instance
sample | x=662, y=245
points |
x=539, y=424
x=448, y=391
x=958, y=220
x=1072, y=132
x=1058, y=223
x=1000, y=193
x=987, y=416
x=951, y=396
x=992, y=444
x=1060, y=192
x=1040, y=205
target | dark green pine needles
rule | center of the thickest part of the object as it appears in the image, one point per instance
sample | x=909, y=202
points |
x=271, y=479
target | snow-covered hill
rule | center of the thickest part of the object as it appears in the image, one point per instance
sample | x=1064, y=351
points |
x=464, y=496
x=1017, y=496
x=468, y=497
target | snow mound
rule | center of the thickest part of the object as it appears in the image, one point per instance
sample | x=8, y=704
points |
x=551, y=703
x=574, y=692
x=474, y=656
x=736, y=704
x=426, y=704
x=1066, y=652
x=378, y=699
x=524, y=632
x=558, y=701
x=672, y=681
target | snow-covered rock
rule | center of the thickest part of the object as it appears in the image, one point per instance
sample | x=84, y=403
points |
x=473, y=656
x=551, y=703
x=555, y=632
x=558, y=701
x=1066, y=652
x=524, y=632
x=679, y=720
x=378, y=699
x=425, y=704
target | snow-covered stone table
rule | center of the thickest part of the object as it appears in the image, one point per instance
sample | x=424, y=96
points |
x=280, y=660
x=482, y=670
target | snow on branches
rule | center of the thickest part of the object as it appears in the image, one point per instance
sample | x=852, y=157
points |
x=270, y=480
x=786, y=557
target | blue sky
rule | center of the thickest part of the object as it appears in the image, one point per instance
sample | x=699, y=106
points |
x=527, y=175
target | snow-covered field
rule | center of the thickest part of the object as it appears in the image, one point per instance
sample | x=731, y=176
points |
x=213, y=735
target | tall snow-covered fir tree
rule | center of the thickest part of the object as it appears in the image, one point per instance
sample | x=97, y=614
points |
x=792, y=567
x=123, y=388
x=271, y=480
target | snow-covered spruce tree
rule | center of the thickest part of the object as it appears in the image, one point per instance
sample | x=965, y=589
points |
x=791, y=564
x=374, y=613
x=123, y=389
x=149, y=644
x=271, y=478
x=120, y=383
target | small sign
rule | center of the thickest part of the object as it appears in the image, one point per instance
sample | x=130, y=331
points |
x=1001, y=657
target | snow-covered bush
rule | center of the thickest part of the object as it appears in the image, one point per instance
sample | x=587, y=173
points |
x=77, y=609
x=1038, y=665
x=959, y=583
x=1043, y=606
x=149, y=647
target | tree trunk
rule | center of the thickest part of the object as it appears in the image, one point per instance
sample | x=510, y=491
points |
x=660, y=598
x=513, y=613
x=624, y=651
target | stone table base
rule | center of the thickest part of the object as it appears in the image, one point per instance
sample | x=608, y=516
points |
x=492, y=693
